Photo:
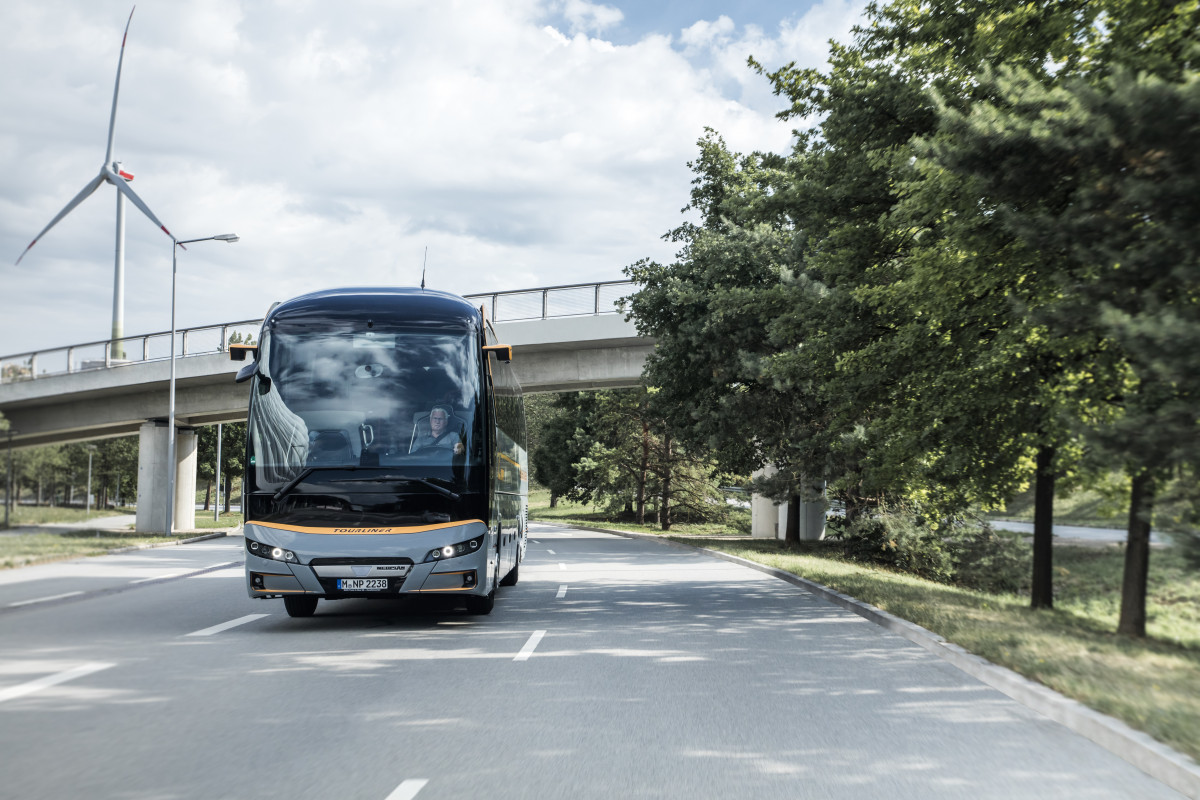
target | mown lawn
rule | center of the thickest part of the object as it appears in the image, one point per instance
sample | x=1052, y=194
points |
x=40, y=515
x=569, y=513
x=20, y=550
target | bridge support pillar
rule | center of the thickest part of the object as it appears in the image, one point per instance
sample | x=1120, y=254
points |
x=768, y=519
x=152, y=477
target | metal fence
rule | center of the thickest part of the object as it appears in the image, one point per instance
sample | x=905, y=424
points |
x=130, y=350
x=572, y=300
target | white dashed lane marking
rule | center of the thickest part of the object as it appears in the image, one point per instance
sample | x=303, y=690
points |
x=408, y=789
x=530, y=646
x=51, y=680
x=224, y=626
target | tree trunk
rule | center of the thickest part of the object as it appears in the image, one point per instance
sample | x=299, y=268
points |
x=39, y=500
x=643, y=473
x=1042, y=595
x=207, y=494
x=553, y=499
x=664, y=509
x=1137, y=556
x=792, y=531
x=229, y=491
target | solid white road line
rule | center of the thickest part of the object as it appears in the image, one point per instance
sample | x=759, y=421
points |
x=530, y=646
x=408, y=789
x=50, y=680
x=562, y=592
x=162, y=577
x=187, y=572
x=561, y=565
x=224, y=626
x=42, y=599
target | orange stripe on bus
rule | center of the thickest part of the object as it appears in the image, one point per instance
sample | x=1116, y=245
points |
x=365, y=531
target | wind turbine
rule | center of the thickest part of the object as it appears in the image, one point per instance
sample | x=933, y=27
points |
x=111, y=172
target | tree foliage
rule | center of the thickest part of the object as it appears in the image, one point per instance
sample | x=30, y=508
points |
x=614, y=448
x=976, y=267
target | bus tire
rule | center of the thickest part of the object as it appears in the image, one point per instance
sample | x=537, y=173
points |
x=481, y=604
x=299, y=605
x=512, y=577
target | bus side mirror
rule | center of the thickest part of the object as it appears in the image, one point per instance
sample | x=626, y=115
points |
x=238, y=352
x=502, y=351
x=246, y=372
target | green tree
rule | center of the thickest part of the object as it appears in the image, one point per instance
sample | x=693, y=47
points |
x=892, y=321
x=1103, y=175
x=562, y=440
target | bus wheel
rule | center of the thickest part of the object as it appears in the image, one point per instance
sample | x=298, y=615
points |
x=300, y=605
x=481, y=605
x=511, y=578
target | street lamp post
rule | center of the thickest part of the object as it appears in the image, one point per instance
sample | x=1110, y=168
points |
x=91, y=448
x=217, y=505
x=175, y=244
x=9, y=487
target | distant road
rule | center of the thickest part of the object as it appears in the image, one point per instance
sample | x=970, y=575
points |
x=615, y=668
x=1078, y=532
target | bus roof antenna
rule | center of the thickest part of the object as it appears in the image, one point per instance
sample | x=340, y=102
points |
x=423, y=267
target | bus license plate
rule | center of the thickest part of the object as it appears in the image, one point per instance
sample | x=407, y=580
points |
x=362, y=584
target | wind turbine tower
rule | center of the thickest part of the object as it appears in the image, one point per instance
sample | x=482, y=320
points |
x=111, y=172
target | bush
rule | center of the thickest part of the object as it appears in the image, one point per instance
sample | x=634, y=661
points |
x=991, y=561
x=899, y=541
x=1189, y=545
x=974, y=556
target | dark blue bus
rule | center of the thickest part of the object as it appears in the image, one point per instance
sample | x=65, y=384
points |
x=386, y=451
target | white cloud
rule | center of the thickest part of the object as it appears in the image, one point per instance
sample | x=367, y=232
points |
x=586, y=17
x=510, y=138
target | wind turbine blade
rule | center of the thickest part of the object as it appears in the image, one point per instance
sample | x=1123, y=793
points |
x=126, y=190
x=112, y=118
x=79, y=198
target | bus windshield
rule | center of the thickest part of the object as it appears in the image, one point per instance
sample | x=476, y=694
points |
x=373, y=401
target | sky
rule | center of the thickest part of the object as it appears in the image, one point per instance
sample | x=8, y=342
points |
x=524, y=143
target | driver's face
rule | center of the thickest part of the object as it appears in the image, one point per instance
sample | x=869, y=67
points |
x=437, y=421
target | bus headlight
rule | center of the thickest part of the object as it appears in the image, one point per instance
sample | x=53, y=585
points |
x=455, y=550
x=270, y=552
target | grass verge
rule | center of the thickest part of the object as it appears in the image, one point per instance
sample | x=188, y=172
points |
x=40, y=515
x=22, y=550
x=569, y=513
x=228, y=519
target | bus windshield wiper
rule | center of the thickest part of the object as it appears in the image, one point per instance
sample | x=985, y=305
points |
x=304, y=473
x=436, y=487
x=293, y=483
x=426, y=482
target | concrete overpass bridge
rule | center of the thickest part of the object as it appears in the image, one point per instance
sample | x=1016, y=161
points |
x=565, y=338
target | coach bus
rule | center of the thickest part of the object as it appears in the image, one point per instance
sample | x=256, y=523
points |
x=385, y=451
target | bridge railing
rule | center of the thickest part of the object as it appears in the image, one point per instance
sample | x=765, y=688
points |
x=571, y=300
x=130, y=350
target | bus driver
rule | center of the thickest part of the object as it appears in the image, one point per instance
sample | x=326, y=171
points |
x=440, y=434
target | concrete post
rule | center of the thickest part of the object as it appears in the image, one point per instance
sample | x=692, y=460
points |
x=152, y=477
x=768, y=519
x=185, y=479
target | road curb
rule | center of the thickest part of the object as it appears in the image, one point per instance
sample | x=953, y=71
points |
x=1139, y=749
x=201, y=538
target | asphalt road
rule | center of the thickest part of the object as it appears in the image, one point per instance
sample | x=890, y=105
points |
x=615, y=668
